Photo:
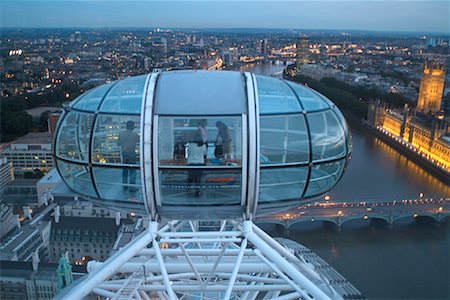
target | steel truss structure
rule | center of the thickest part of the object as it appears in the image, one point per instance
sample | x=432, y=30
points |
x=186, y=260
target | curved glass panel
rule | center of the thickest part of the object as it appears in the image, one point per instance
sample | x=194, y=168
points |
x=118, y=183
x=346, y=128
x=125, y=96
x=211, y=141
x=283, y=139
x=308, y=98
x=91, y=100
x=275, y=96
x=279, y=184
x=324, y=177
x=199, y=186
x=327, y=136
x=74, y=135
x=77, y=177
x=116, y=140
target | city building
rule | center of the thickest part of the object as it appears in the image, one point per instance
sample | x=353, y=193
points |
x=19, y=280
x=34, y=281
x=52, y=121
x=27, y=243
x=302, y=56
x=8, y=220
x=6, y=173
x=83, y=238
x=147, y=63
x=30, y=152
x=45, y=186
x=230, y=55
x=423, y=129
x=21, y=192
x=431, y=87
x=263, y=46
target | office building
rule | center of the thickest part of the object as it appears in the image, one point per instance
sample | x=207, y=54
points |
x=30, y=152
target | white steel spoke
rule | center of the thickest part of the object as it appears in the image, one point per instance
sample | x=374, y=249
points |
x=188, y=258
x=236, y=269
x=180, y=261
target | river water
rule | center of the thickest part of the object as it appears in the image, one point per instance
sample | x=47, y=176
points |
x=410, y=260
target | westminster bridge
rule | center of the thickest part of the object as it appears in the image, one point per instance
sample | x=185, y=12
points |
x=339, y=213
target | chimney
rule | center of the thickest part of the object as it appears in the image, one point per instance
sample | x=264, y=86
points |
x=117, y=218
x=35, y=260
x=57, y=214
x=27, y=212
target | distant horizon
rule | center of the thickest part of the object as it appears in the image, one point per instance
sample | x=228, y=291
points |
x=417, y=16
x=224, y=29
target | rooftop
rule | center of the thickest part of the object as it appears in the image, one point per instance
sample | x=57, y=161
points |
x=37, y=111
x=35, y=138
x=9, y=247
x=25, y=269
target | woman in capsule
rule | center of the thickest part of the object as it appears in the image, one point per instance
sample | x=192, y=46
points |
x=224, y=142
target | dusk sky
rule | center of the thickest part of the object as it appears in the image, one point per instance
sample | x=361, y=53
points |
x=397, y=15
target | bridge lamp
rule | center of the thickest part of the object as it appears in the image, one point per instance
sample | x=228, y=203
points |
x=440, y=209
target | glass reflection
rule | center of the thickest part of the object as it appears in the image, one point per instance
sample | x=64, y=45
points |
x=323, y=177
x=118, y=183
x=327, y=136
x=91, y=100
x=346, y=128
x=74, y=135
x=77, y=177
x=211, y=187
x=284, y=139
x=116, y=140
x=282, y=183
x=308, y=98
x=125, y=96
x=275, y=96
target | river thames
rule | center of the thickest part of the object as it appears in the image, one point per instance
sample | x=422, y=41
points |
x=410, y=260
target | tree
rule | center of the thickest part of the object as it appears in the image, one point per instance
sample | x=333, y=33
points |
x=14, y=125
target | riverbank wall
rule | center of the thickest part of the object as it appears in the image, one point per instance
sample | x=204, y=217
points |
x=411, y=154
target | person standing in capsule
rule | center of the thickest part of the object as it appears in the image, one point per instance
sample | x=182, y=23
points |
x=224, y=142
x=128, y=140
x=197, y=151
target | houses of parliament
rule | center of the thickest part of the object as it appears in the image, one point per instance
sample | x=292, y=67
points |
x=424, y=129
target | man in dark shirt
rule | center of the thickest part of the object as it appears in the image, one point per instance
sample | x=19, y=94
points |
x=128, y=141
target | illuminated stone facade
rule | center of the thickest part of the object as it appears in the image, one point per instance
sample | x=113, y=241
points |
x=428, y=138
x=423, y=130
x=431, y=87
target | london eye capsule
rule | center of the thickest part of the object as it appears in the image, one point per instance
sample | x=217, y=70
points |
x=201, y=144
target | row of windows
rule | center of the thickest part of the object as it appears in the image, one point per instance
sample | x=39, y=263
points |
x=78, y=250
x=84, y=245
